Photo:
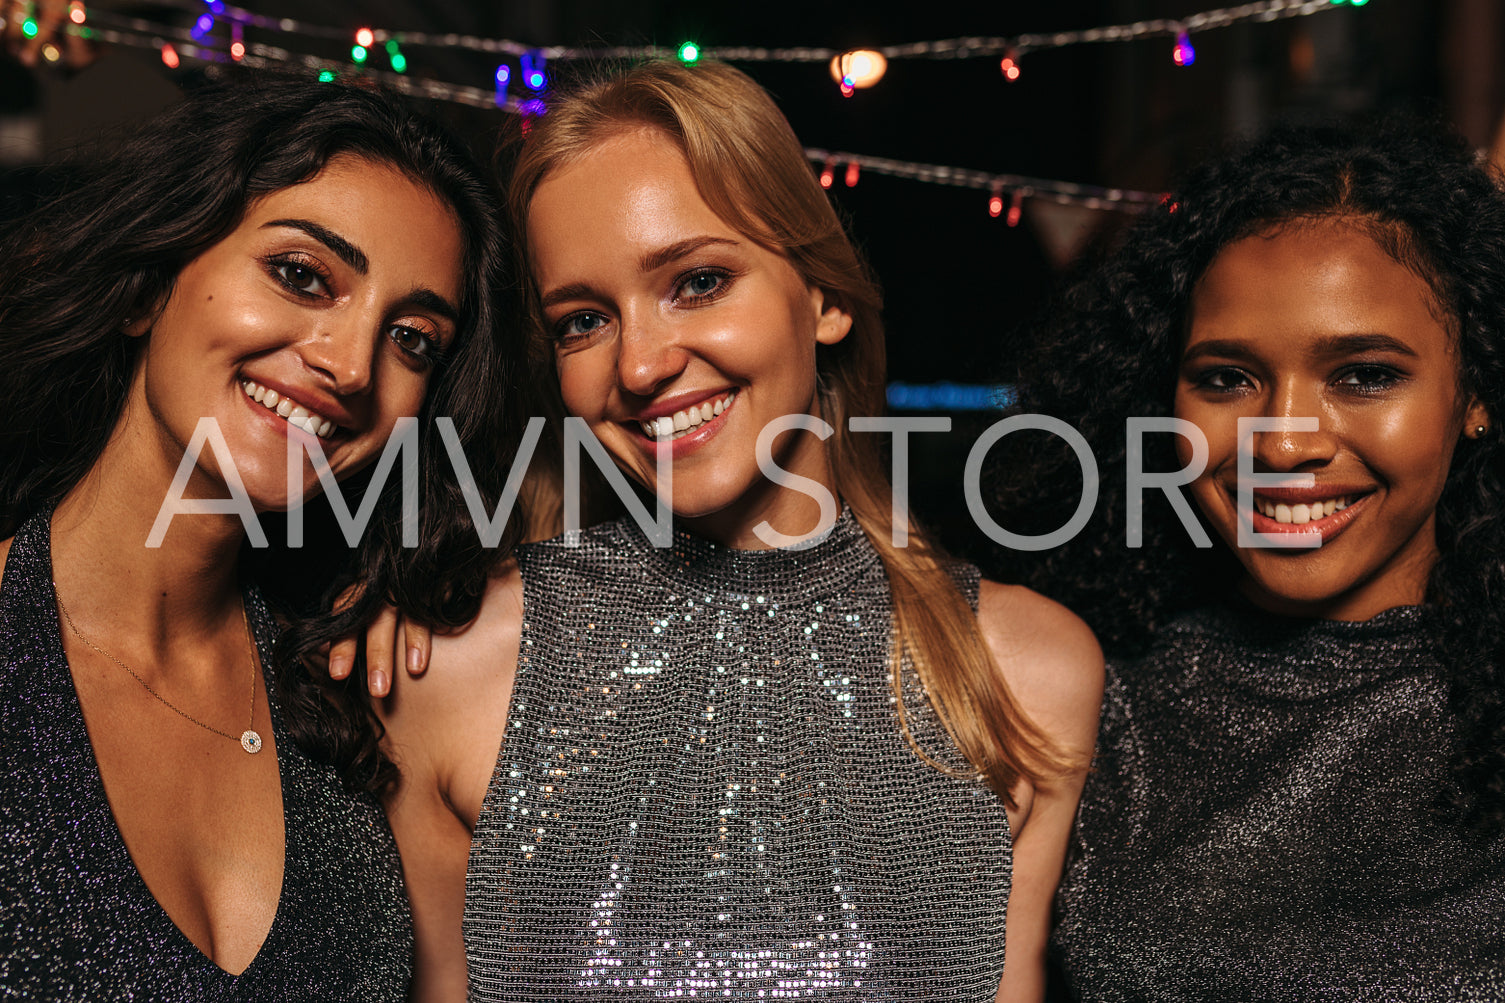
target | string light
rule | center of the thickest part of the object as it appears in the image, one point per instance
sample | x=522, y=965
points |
x=358, y=54
x=1183, y=54
x=859, y=68
x=852, y=174
x=50, y=53
x=203, y=26
x=1010, y=66
x=971, y=47
x=365, y=38
x=29, y=27
x=533, y=74
x=143, y=33
x=394, y=55
x=503, y=77
x=995, y=202
x=326, y=76
x=689, y=53
x=828, y=174
x=1016, y=208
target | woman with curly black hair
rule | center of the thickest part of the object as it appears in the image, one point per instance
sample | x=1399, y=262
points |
x=1300, y=782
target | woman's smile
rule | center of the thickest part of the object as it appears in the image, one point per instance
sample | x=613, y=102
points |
x=320, y=316
x=673, y=332
x=1315, y=320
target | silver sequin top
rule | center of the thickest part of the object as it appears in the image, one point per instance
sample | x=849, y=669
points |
x=1259, y=824
x=77, y=922
x=704, y=791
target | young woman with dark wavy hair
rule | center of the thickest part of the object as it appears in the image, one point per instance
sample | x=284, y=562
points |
x=1299, y=790
x=274, y=265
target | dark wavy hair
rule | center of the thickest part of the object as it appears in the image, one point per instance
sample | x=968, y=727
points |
x=110, y=247
x=1111, y=350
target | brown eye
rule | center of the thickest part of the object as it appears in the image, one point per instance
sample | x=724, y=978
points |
x=415, y=342
x=298, y=277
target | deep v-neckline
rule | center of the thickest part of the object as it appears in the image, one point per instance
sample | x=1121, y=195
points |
x=260, y=619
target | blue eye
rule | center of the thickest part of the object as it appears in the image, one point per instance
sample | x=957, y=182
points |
x=578, y=325
x=702, y=284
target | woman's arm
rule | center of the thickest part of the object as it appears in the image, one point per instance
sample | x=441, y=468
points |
x=1054, y=669
x=444, y=731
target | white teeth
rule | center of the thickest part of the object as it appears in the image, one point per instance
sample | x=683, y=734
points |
x=1300, y=514
x=686, y=421
x=296, y=414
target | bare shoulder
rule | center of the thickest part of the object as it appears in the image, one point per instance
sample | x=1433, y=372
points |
x=4, y=552
x=1049, y=658
x=448, y=723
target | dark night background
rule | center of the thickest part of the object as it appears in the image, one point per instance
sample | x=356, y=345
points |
x=960, y=286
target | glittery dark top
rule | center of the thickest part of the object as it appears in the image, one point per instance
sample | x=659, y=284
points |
x=704, y=791
x=1259, y=824
x=77, y=921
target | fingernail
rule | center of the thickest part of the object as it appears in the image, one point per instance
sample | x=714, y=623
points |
x=379, y=683
x=414, y=659
x=339, y=668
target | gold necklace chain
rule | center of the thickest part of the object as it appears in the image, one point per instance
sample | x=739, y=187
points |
x=248, y=739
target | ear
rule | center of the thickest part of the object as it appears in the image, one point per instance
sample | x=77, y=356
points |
x=1475, y=419
x=832, y=321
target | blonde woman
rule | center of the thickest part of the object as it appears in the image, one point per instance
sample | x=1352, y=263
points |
x=843, y=770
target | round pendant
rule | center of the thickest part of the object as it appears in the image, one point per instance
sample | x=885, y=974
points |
x=250, y=741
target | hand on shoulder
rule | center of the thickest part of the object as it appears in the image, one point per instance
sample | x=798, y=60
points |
x=443, y=728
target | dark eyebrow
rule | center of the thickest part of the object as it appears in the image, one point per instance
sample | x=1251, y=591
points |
x=434, y=303
x=1216, y=348
x=1332, y=345
x=654, y=260
x=348, y=252
x=1354, y=344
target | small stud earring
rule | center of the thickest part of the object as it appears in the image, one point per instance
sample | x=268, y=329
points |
x=1480, y=430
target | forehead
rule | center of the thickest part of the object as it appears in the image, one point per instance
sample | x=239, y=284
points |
x=405, y=230
x=1311, y=278
x=629, y=191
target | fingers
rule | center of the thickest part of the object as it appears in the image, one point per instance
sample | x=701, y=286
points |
x=381, y=640
x=341, y=657
x=419, y=643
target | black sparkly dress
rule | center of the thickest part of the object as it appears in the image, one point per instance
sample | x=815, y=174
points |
x=704, y=791
x=1259, y=824
x=77, y=921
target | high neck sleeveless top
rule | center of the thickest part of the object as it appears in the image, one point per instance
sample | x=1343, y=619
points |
x=1260, y=824
x=78, y=923
x=704, y=790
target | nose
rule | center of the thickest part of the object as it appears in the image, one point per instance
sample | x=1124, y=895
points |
x=649, y=355
x=1287, y=449
x=343, y=353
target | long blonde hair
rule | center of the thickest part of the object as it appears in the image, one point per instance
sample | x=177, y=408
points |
x=751, y=170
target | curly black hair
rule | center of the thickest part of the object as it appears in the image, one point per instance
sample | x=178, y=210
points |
x=1111, y=349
